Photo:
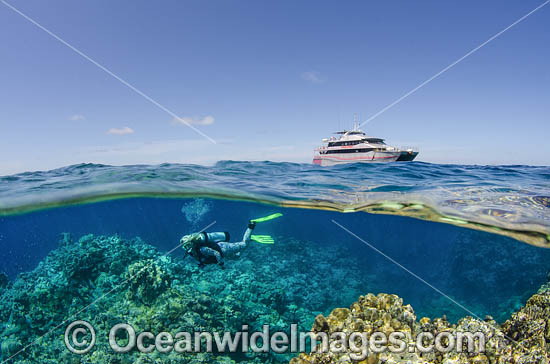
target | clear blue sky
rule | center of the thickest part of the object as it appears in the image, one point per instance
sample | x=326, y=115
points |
x=270, y=79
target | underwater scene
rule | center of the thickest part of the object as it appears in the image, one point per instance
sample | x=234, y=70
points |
x=415, y=248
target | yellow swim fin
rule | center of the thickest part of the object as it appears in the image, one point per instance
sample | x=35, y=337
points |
x=262, y=239
x=267, y=218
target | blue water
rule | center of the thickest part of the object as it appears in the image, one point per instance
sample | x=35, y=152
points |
x=474, y=233
x=479, y=269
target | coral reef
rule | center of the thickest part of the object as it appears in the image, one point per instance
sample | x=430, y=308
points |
x=4, y=281
x=129, y=281
x=146, y=280
x=530, y=328
x=523, y=339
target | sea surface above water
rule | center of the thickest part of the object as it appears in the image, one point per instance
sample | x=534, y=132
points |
x=507, y=200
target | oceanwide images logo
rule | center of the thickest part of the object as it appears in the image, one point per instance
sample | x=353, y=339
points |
x=80, y=338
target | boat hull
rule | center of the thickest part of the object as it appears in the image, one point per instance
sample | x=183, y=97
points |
x=407, y=156
x=342, y=158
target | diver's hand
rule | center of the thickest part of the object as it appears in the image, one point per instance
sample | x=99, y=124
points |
x=251, y=224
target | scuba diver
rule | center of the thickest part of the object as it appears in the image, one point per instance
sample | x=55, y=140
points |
x=213, y=248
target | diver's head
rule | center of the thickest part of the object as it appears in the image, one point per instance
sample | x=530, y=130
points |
x=188, y=241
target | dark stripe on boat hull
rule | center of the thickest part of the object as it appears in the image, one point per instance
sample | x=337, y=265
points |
x=407, y=156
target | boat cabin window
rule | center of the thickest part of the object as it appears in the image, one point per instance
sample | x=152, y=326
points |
x=339, y=144
x=359, y=150
x=375, y=140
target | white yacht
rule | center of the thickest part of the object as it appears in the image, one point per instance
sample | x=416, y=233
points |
x=354, y=146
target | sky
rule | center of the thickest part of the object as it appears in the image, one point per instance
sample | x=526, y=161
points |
x=268, y=80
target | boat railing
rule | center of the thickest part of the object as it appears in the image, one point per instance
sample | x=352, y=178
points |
x=409, y=148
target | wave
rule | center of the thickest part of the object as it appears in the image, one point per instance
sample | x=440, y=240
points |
x=507, y=200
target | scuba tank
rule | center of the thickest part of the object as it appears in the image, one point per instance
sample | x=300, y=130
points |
x=215, y=237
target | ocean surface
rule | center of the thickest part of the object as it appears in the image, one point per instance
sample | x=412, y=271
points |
x=450, y=240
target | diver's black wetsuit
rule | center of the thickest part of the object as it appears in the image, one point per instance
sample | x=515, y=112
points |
x=213, y=248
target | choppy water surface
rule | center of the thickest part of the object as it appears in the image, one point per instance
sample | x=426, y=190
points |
x=508, y=200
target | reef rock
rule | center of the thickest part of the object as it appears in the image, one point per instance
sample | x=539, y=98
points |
x=129, y=281
x=530, y=329
x=523, y=339
x=384, y=313
x=146, y=280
